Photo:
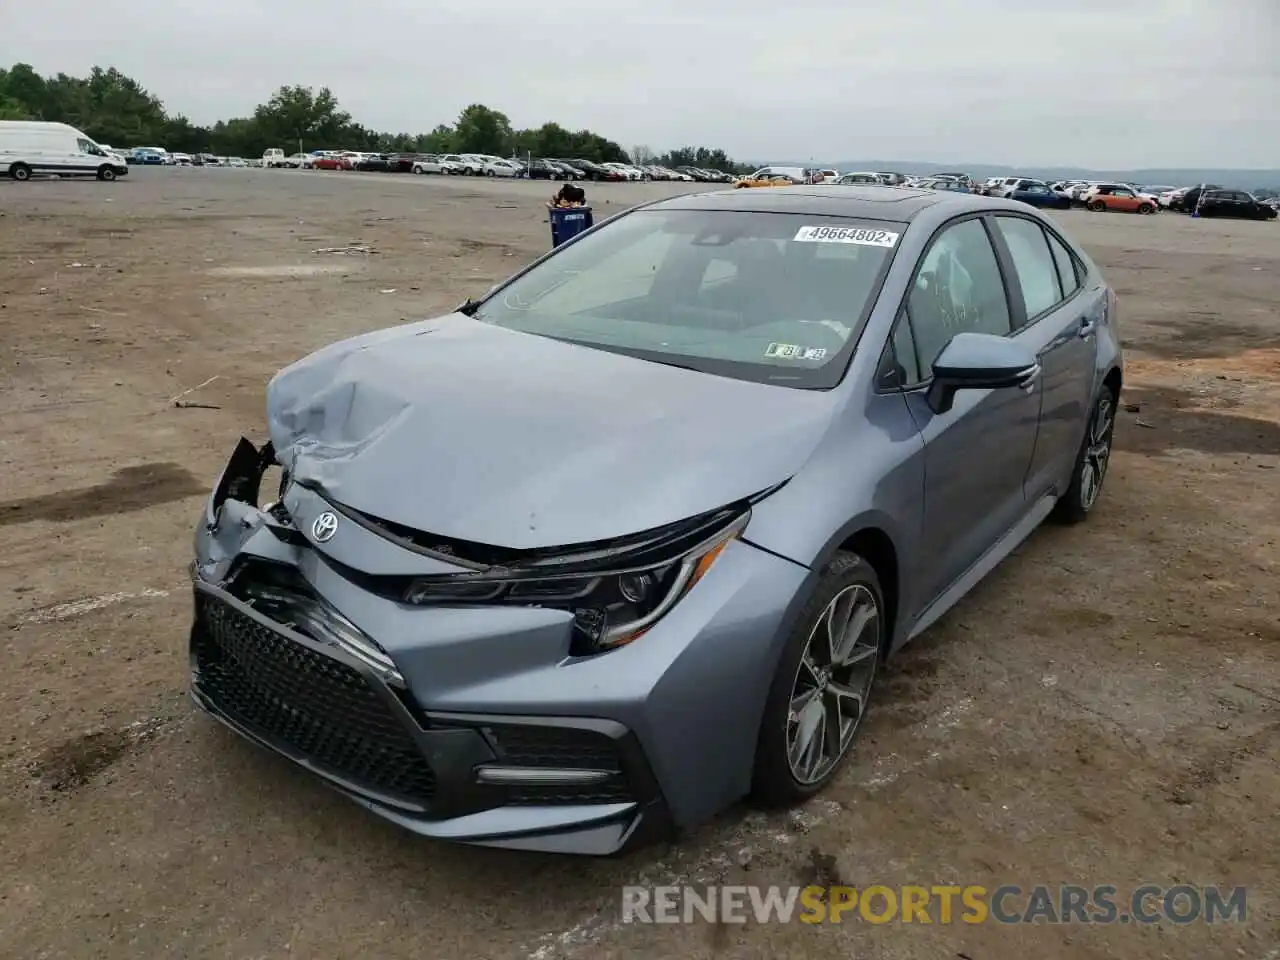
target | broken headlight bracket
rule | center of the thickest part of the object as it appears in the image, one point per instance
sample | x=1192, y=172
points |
x=241, y=479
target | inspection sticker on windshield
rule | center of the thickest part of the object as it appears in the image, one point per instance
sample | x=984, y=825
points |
x=793, y=351
x=859, y=235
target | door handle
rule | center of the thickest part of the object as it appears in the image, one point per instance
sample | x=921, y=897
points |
x=1029, y=377
x=1087, y=327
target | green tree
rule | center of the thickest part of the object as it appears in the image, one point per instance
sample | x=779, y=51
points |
x=481, y=129
x=23, y=84
x=11, y=109
x=300, y=115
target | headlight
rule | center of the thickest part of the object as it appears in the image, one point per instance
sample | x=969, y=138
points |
x=611, y=607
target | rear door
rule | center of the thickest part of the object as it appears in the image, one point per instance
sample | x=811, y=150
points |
x=977, y=454
x=1125, y=199
x=1055, y=316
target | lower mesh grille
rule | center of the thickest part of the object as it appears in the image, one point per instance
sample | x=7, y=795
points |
x=563, y=748
x=312, y=704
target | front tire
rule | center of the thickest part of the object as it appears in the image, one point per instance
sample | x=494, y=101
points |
x=1146, y=209
x=106, y=174
x=1092, y=462
x=822, y=686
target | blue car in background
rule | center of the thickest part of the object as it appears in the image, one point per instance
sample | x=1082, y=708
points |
x=1039, y=194
x=145, y=155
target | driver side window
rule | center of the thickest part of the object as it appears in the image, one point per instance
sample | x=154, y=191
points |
x=958, y=288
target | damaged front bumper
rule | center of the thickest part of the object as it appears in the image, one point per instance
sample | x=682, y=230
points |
x=481, y=721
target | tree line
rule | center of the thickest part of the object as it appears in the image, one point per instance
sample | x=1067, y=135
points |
x=115, y=109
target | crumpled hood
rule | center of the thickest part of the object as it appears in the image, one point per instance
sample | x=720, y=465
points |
x=459, y=428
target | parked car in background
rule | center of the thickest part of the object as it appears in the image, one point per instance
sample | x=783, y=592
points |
x=502, y=168
x=430, y=163
x=236, y=162
x=546, y=170
x=892, y=178
x=801, y=498
x=764, y=180
x=1007, y=185
x=1118, y=198
x=794, y=174
x=373, y=163
x=146, y=156
x=865, y=177
x=936, y=183
x=37, y=147
x=327, y=161
x=471, y=164
x=628, y=172
x=1038, y=194
x=1234, y=203
x=402, y=162
x=570, y=171
x=598, y=171
x=299, y=161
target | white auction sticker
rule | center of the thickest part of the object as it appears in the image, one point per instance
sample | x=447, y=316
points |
x=859, y=235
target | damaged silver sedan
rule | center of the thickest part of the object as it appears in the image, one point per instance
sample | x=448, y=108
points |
x=624, y=541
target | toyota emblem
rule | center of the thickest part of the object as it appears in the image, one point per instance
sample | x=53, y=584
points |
x=325, y=526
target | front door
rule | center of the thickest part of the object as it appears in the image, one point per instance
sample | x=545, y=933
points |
x=977, y=453
x=1058, y=320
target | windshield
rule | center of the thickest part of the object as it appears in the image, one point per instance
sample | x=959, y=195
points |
x=775, y=298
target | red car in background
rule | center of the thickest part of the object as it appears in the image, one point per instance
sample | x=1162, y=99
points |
x=328, y=162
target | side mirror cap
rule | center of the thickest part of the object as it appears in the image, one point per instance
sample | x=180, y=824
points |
x=979, y=361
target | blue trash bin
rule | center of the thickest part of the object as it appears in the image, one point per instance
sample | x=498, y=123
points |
x=568, y=222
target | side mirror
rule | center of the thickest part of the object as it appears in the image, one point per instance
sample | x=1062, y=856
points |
x=979, y=361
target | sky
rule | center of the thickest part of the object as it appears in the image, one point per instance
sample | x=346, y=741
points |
x=1116, y=84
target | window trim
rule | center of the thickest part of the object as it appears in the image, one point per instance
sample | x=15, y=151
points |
x=902, y=315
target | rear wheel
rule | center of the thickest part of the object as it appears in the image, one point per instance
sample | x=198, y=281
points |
x=1092, y=462
x=1097, y=206
x=20, y=171
x=820, y=692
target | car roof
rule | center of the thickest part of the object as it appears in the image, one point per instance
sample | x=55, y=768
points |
x=900, y=204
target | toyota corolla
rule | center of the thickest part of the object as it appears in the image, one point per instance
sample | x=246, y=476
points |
x=627, y=538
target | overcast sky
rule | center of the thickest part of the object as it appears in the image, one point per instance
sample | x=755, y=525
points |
x=1098, y=83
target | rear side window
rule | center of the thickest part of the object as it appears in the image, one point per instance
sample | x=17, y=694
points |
x=1037, y=271
x=1068, y=274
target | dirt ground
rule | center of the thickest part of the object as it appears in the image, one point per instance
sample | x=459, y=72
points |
x=1105, y=708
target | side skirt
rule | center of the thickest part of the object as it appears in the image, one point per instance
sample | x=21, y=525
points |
x=984, y=565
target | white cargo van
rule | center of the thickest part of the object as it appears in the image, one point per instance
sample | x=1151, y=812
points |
x=30, y=147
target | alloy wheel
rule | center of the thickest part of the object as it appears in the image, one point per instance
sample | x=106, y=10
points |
x=1097, y=454
x=832, y=683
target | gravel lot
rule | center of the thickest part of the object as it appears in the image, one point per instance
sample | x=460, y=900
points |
x=1103, y=709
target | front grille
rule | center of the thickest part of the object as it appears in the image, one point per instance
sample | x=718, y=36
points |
x=566, y=748
x=309, y=703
